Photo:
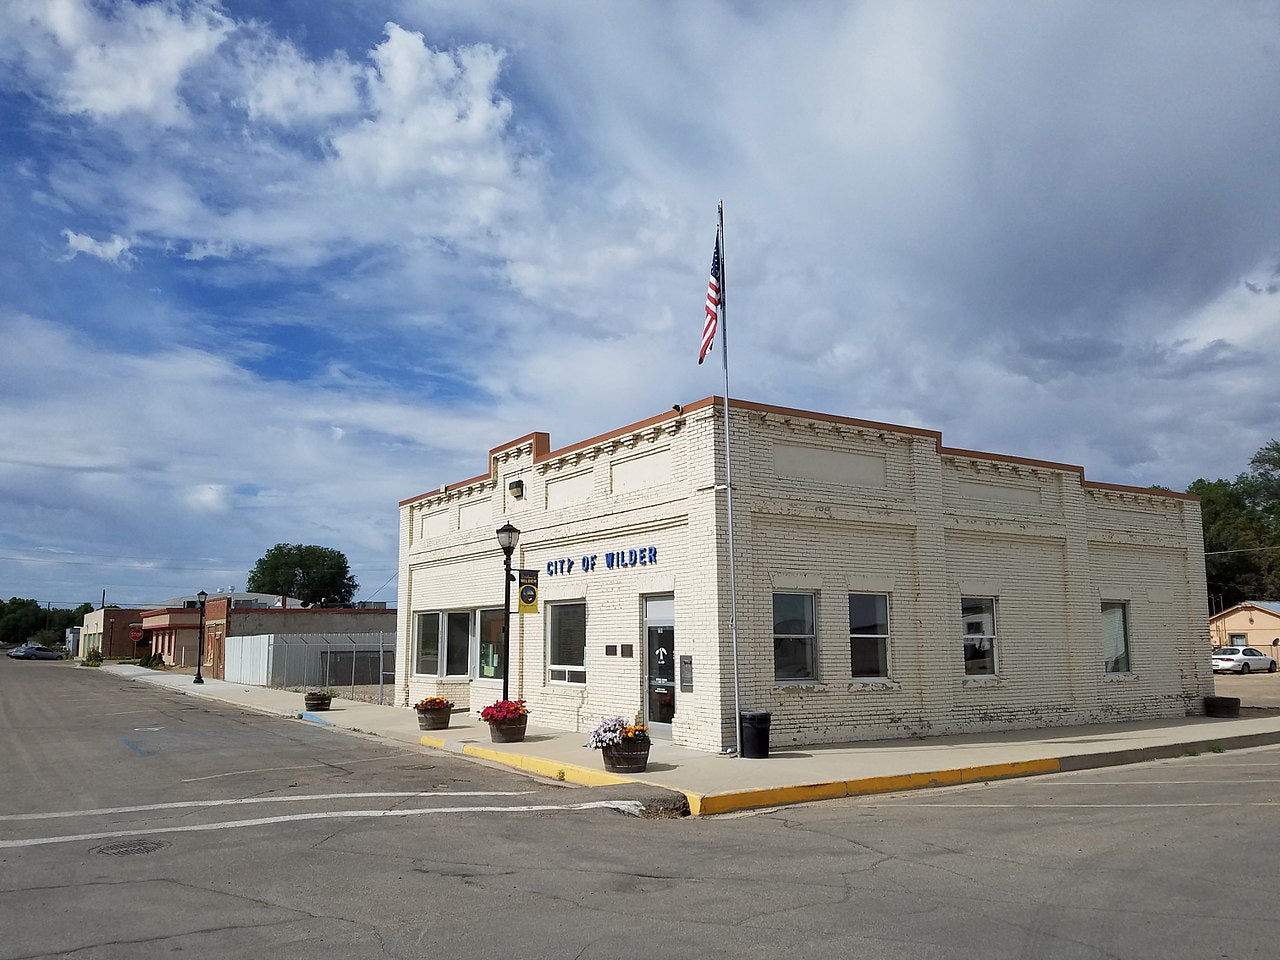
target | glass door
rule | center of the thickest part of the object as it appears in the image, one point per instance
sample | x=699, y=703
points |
x=660, y=664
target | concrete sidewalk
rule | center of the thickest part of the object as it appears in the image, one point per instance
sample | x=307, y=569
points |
x=719, y=784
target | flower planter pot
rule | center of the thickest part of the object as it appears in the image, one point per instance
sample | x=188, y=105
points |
x=434, y=719
x=626, y=757
x=317, y=701
x=508, y=731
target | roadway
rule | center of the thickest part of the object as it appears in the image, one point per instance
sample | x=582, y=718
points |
x=140, y=823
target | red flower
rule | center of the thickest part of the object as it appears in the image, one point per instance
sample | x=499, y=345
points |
x=504, y=710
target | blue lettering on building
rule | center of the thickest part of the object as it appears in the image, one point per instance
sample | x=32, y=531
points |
x=613, y=560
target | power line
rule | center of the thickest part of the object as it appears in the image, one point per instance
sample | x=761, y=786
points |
x=1219, y=553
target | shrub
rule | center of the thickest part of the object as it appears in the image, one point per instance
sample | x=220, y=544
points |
x=93, y=658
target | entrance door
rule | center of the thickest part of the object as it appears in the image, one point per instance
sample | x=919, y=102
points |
x=660, y=664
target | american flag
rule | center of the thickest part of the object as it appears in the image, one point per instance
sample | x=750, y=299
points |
x=713, y=303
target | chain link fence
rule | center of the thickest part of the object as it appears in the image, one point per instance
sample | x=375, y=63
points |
x=360, y=666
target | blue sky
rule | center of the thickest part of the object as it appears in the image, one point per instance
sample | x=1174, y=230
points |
x=269, y=268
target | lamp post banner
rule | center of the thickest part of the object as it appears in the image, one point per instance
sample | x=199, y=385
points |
x=528, y=594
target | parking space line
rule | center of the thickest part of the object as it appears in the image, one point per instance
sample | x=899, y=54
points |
x=236, y=801
x=301, y=766
x=632, y=807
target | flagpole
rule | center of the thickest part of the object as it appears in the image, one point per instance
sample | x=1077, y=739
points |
x=728, y=479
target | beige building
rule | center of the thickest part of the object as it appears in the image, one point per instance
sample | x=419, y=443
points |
x=1253, y=623
x=107, y=630
x=886, y=585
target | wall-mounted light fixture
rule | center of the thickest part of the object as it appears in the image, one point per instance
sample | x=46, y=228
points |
x=516, y=489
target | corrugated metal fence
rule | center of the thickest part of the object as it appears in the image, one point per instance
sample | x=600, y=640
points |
x=359, y=666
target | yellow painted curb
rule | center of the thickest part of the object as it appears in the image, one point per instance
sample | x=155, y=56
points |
x=437, y=742
x=780, y=796
x=552, y=769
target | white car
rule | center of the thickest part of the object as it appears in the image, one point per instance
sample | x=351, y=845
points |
x=1241, y=660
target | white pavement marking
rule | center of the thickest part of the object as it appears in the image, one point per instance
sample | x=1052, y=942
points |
x=632, y=807
x=178, y=805
x=301, y=766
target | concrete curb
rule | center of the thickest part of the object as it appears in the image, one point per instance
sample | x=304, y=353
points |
x=551, y=769
x=713, y=803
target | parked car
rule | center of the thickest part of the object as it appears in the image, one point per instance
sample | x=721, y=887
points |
x=34, y=651
x=1242, y=660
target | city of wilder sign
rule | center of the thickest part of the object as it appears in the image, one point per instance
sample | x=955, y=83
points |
x=613, y=560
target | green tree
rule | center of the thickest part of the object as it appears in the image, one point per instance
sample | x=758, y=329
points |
x=318, y=576
x=21, y=619
x=1238, y=566
x=1260, y=485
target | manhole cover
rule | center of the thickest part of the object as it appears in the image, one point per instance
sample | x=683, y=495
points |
x=129, y=848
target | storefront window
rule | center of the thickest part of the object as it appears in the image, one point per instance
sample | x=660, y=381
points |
x=428, y=656
x=456, y=630
x=567, y=654
x=489, y=661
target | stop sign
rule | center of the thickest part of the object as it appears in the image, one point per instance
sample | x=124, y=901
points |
x=135, y=634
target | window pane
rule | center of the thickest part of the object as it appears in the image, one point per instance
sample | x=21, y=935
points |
x=1115, y=637
x=979, y=657
x=568, y=635
x=792, y=658
x=793, y=614
x=978, y=615
x=869, y=613
x=870, y=656
x=428, y=660
x=490, y=662
x=457, y=644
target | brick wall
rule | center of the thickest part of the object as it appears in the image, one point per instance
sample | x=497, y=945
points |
x=826, y=506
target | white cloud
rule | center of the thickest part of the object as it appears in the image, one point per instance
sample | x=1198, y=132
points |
x=117, y=60
x=116, y=250
x=284, y=87
x=1024, y=226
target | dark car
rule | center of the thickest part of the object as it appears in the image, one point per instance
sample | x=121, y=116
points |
x=34, y=651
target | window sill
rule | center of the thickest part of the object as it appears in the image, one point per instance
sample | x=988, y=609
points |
x=798, y=686
x=1126, y=676
x=873, y=683
x=995, y=681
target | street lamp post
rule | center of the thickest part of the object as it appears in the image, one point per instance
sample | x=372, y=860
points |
x=109, y=646
x=201, y=597
x=508, y=537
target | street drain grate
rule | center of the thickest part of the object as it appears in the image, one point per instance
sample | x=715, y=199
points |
x=129, y=848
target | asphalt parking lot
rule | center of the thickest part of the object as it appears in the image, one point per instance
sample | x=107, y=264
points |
x=1258, y=690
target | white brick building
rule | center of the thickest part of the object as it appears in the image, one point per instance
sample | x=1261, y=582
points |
x=887, y=586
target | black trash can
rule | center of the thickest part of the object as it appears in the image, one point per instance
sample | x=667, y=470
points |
x=1222, y=706
x=755, y=734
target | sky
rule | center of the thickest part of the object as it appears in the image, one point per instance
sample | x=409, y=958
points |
x=268, y=268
